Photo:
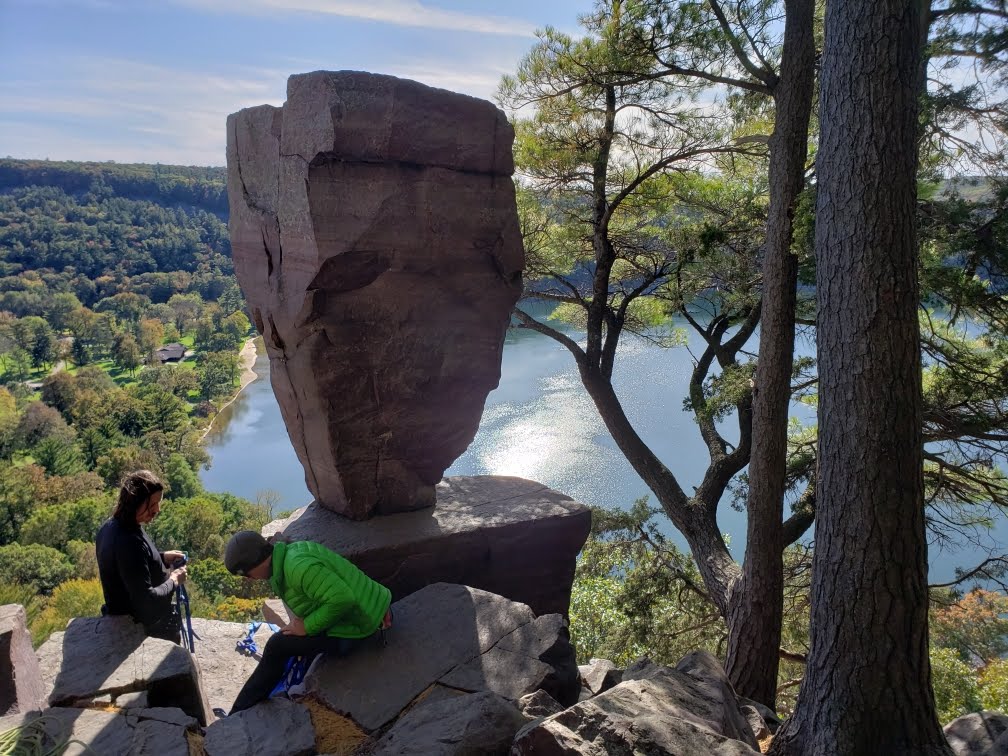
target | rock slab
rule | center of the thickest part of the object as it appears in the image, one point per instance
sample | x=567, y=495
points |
x=142, y=732
x=277, y=727
x=97, y=659
x=223, y=670
x=480, y=724
x=375, y=235
x=21, y=686
x=510, y=536
x=446, y=639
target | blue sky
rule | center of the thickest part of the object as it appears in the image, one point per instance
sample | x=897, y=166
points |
x=153, y=80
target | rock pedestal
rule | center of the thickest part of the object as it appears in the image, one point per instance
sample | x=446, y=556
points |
x=375, y=234
x=510, y=536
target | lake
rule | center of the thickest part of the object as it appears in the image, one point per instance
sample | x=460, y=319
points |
x=538, y=424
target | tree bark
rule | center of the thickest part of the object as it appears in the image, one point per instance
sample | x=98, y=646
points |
x=867, y=683
x=756, y=599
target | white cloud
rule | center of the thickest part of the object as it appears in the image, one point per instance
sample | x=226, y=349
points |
x=397, y=12
x=113, y=109
x=118, y=109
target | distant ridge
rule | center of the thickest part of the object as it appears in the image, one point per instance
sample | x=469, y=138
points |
x=199, y=187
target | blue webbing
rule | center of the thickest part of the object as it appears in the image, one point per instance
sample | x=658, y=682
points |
x=188, y=634
x=296, y=667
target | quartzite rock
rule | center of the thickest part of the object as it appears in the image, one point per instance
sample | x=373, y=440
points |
x=144, y=732
x=509, y=536
x=108, y=656
x=634, y=717
x=223, y=670
x=276, y=726
x=477, y=724
x=21, y=686
x=600, y=674
x=982, y=733
x=374, y=231
x=439, y=635
x=689, y=709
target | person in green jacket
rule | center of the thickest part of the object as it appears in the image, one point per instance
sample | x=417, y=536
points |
x=333, y=605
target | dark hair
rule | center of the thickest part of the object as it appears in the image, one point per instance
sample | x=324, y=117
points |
x=137, y=488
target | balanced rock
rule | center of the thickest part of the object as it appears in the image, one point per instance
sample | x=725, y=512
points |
x=21, y=686
x=374, y=232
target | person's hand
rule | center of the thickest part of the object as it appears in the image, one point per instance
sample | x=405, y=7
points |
x=178, y=575
x=169, y=557
x=294, y=627
x=386, y=622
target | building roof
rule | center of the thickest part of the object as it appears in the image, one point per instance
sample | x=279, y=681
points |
x=173, y=351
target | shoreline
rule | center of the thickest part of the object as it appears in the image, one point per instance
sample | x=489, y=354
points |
x=246, y=361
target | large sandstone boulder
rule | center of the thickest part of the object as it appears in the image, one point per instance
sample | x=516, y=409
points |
x=21, y=686
x=98, y=659
x=690, y=709
x=509, y=536
x=375, y=234
x=447, y=640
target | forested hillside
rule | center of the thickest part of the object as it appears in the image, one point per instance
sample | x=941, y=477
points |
x=101, y=265
x=95, y=230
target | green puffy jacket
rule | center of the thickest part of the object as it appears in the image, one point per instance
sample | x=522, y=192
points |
x=329, y=593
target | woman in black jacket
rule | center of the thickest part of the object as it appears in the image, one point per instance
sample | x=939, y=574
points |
x=136, y=578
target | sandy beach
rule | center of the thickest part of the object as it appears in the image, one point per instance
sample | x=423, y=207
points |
x=246, y=359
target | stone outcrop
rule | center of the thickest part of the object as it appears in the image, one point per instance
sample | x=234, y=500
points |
x=464, y=672
x=983, y=733
x=446, y=640
x=509, y=536
x=375, y=234
x=683, y=710
x=21, y=686
x=699, y=684
x=97, y=659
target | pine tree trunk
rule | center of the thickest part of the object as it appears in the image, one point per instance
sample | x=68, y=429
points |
x=867, y=684
x=756, y=603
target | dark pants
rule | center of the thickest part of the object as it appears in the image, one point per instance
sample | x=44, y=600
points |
x=279, y=648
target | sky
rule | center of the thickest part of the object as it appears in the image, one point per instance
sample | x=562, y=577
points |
x=152, y=81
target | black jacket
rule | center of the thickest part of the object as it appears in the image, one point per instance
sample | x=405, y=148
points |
x=134, y=578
